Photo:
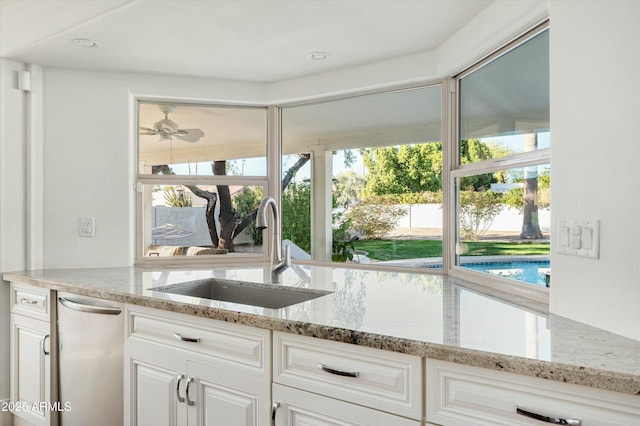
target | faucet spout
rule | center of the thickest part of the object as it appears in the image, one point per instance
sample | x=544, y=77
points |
x=278, y=262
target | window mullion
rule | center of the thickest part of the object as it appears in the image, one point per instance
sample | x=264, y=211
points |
x=532, y=158
x=202, y=180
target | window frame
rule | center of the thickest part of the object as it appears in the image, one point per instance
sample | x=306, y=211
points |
x=142, y=179
x=494, y=284
x=324, y=151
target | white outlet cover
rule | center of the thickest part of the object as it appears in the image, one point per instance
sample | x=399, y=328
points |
x=579, y=237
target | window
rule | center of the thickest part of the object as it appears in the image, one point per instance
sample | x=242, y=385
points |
x=362, y=178
x=502, y=179
x=202, y=171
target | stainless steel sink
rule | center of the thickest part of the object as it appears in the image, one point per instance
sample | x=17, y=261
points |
x=246, y=293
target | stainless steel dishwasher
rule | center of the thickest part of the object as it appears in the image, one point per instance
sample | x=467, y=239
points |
x=91, y=337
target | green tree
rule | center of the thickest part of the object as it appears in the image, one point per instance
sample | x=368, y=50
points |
x=296, y=214
x=514, y=198
x=418, y=168
x=472, y=151
x=244, y=203
x=403, y=169
x=348, y=188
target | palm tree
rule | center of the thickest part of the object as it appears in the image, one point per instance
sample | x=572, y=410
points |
x=530, y=224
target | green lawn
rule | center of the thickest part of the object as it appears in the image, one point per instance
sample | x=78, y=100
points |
x=411, y=249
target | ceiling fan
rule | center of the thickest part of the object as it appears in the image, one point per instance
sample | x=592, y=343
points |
x=168, y=129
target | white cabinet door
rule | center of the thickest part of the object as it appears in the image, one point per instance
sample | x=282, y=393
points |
x=187, y=370
x=155, y=385
x=299, y=408
x=31, y=367
x=223, y=396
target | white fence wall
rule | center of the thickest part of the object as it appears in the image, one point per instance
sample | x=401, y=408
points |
x=190, y=219
x=430, y=216
x=418, y=216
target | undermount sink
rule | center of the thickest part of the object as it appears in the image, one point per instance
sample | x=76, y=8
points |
x=246, y=293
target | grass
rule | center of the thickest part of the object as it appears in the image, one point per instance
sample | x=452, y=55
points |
x=411, y=249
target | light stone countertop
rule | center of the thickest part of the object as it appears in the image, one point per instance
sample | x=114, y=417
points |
x=433, y=316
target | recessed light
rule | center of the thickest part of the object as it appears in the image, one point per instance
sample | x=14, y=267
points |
x=85, y=42
x=318, y=56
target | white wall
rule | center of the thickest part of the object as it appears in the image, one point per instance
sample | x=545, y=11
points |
x=595, y=110
x=12, y=197
x=89, y=149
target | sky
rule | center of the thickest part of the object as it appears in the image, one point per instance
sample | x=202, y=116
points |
x=258, y=166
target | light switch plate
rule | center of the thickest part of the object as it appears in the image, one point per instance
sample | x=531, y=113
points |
x=579, y=237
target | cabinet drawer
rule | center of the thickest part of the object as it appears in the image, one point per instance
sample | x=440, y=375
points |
x=463, y=395
x=298, y=408
x=230, y=343
x=382, y=380
x=31, y=301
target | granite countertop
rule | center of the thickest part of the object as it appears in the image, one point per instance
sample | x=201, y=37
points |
x=433, y=316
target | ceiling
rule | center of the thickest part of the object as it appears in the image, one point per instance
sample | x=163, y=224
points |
x=250, y=40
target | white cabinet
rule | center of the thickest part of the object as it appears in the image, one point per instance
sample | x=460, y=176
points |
x=184, y=370
x=33, y=343
x=461, y=395
x=359, y=385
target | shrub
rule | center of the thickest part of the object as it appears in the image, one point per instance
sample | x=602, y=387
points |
x=477, y=211
x=296, y=215
x=178, y=198
x=426, y=197
x=374, y=221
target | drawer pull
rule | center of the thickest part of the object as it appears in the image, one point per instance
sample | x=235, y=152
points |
x=330, y=370
x=179, y=377
x=186, y=339
x=548, y=419
x=28, y=301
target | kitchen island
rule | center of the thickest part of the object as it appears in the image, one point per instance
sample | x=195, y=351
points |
x=432, y=316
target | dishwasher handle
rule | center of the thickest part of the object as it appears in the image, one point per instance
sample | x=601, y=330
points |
x=90, y=309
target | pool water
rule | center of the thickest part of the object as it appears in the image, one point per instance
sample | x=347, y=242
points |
x=528, y=271
x=532, y=272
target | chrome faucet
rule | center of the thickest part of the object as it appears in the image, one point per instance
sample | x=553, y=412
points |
x=278, y=263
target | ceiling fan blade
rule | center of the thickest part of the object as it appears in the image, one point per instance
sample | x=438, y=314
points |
x=148, y=131
x=189, y=135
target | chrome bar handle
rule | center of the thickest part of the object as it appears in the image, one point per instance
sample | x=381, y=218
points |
x=186, y=339
x=179, y=379
x=42, y=342
x=274, y=410
x=330, y=370
x=28, y=301
x=186, y=392
x=90, y=309
x=548, y=419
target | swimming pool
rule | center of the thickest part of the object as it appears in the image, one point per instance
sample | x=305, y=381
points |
x=529, y=271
